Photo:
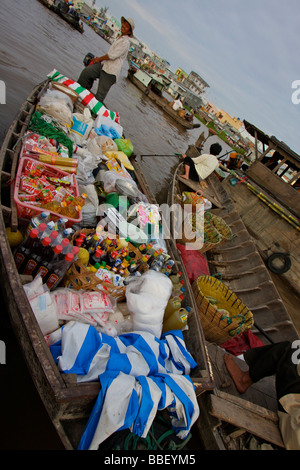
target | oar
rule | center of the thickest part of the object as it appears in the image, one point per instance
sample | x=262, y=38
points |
x=156, y=155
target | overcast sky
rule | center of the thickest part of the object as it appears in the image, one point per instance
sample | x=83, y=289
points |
x=247, y=51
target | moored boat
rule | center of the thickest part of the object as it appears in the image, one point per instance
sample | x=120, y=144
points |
x=227, y=419
x=61, y=9
x=152, y=87
x=69, y=403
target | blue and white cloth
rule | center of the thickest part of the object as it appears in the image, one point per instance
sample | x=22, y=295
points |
x=139, y=375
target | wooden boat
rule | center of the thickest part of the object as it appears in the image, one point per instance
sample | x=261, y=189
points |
x=153, y=89
x=73, y=20
x=226, y=417
x=68, y=403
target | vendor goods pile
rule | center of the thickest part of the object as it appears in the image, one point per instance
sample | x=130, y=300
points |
x=97, y=268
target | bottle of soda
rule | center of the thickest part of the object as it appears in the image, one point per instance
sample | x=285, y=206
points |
x=75, y=251
x=25, y=248
x=58, y=270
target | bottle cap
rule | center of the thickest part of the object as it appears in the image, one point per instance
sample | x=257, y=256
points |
x=42, y=227
x=65, y=242
x=69, y=257
x=34, y=233
x=54, y=234
x=75, y=250
x=58, y=249
x=46, y=241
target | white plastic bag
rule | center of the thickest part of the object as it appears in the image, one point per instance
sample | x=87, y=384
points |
x=100, y=144
x=147, y=298
x=82, y=126
x=42, y=305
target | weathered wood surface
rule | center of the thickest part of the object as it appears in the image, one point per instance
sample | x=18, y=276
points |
x=271, y=233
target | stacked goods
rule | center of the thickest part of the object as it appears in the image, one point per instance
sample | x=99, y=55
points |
x=40, y=186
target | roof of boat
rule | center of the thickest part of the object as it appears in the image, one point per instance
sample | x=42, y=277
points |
x=266, y=139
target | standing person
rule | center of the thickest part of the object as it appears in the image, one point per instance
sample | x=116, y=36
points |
x=199, y=168
x=281, y=360
x=107, y=68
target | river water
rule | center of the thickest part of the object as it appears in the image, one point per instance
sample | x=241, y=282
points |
x=34, y=41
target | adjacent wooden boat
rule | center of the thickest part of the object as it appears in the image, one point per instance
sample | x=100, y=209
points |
x=153, y=90
x=68, y=403
x=225, y=415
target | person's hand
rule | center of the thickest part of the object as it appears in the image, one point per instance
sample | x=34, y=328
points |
x=95, y=60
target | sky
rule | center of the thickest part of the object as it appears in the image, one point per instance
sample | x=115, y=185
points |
x=247, y=51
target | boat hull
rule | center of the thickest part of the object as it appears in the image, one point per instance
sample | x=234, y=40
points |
x=68, y=403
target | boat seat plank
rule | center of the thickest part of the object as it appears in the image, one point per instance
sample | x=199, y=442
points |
x=246, y=417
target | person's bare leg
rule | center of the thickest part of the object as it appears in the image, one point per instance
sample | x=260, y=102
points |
x=186, y=172
x=242, y=379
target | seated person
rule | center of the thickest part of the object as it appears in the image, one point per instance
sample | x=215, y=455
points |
x=282, y=360
x=189, y=117
x=199, y=168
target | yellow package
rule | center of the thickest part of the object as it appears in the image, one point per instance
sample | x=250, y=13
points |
x=121, y=157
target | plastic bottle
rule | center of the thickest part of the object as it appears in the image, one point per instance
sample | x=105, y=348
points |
x=53, y=206
x=43, y=217
x=75, y=251
x=24, y=249
x=43, y=252
x=177, y=320
x=43, y=269
x=70, y=210
x=79, y=200
x=175, y=278
x=173, y=304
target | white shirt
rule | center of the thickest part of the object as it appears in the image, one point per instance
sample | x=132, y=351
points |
x=117, y=53
x=177, y=105
x=205, y=164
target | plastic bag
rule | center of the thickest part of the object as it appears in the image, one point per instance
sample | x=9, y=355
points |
x=195, y=263
x=85, y=306
x=121, y=157
x=195, y=198
x=107, y=131
x=125, y=145
x=42, y=305
x=108, y=122
x=82, y=126
x=100, y=144
x=147, y=298
x=58, y=105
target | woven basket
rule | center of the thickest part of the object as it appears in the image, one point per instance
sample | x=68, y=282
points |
x=220, y=225
x=80, y=277
x=223, y=315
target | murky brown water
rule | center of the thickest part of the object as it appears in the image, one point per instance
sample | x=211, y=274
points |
x=34, y=41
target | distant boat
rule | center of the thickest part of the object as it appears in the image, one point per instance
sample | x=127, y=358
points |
x=153, y=88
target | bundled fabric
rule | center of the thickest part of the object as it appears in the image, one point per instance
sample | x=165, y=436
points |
x=87, y=98
x=139, y=375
